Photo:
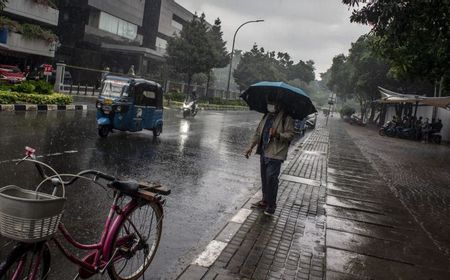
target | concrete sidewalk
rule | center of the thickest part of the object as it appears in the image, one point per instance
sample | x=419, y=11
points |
x=336, y=219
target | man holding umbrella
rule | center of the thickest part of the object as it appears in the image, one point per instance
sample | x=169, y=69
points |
x=280, y=103
x=272, y=138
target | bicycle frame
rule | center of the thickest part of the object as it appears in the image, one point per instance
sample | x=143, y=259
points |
x=100, y=254
x=96, y=261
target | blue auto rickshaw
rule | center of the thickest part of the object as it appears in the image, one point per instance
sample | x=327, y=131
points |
x=129, y=104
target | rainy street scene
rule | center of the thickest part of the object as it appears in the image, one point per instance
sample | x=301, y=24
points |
x=222, y=140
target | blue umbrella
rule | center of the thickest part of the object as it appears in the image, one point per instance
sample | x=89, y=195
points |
x=294, y=101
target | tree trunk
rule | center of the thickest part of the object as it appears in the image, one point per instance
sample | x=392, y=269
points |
x=189, y=81
x=207, y=83
x=363, y=108
x=372, y=112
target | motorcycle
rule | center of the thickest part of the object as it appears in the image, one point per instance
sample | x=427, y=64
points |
x=388, y=129
x=407, y=133
x=435, y=138
x=189, y=108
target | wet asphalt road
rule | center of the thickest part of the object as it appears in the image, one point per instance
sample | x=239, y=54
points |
x=200, y=159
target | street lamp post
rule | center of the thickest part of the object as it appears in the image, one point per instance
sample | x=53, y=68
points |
x=232, y=52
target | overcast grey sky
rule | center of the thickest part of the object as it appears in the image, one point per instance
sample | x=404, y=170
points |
x=306, y=29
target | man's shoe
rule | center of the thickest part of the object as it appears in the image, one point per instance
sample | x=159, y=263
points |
x=269, y=212
x=260, y=204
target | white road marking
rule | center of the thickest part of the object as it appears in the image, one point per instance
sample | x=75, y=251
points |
x=210, y=254
x=241, y=216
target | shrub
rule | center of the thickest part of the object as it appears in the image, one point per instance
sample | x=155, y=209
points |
x=30, y=31
x=26, y=87
x=7, y=97
x=347, y=111
x=43, y=87
x=175, y=96
x=220, y=101
x=6, y=87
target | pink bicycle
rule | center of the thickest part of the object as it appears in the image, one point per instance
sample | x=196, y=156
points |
x=127, y=245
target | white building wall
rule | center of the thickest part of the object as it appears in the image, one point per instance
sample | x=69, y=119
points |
x=427, y=112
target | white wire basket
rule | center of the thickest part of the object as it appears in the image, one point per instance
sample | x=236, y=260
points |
x=29, y=216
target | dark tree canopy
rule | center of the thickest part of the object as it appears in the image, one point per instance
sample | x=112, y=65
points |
x=413, y=35
x=219, y=54
x=197, y=49
x=258, y=65
x=189, y=51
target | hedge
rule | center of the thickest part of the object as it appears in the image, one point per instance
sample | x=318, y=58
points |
x=37, y=87
x=9, y=97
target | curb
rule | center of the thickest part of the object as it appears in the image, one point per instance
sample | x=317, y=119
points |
x=202, y=262
x=41, y=107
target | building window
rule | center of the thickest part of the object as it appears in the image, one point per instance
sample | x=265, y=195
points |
x=178, y=26
x=117, y=26
x=161, y=43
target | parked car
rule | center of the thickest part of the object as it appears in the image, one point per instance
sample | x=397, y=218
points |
x=11, y=74
x=311, y=120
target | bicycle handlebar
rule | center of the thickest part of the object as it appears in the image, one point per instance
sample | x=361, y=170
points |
x=71, y=181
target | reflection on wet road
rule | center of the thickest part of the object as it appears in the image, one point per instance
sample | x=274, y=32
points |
x=200, y=159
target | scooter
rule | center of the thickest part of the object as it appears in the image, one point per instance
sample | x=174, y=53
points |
x=189, y=108
x=407, y=133
x=388, y=129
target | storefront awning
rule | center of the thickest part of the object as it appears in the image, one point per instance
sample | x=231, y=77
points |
x=391, y=97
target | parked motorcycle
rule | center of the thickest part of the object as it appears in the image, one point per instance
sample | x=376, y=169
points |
x=407, y=133
x=189, y=108
x=388, y=129
x=435, y=138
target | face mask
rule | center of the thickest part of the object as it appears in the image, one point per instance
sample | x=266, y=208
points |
x=271, y=108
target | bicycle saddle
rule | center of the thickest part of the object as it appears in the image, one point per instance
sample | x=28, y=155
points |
x=129, y=187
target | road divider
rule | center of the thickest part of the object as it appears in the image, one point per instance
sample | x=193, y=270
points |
x=41, y=107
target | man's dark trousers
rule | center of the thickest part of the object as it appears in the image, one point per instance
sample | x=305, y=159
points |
x=270, y=170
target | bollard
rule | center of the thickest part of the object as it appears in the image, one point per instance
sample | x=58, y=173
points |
x=78, y=90
x=93, y=90
x=85, y=89
x=70, y=89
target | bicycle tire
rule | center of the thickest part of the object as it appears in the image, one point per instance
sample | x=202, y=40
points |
x=22, y=250
x=112, y=270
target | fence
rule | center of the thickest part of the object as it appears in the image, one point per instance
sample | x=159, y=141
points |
x=91, y=87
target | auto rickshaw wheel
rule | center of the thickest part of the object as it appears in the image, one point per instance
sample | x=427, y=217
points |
x=103, y=131
x=157, y=130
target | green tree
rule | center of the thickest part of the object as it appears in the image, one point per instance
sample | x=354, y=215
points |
x=340, y=77
x=190, y=51
x=302, y=70
x=219, y=56
x=258, y=65
x=414, y=36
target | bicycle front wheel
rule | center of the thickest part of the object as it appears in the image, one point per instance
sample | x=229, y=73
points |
x=22, y=261
x=136, y=242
